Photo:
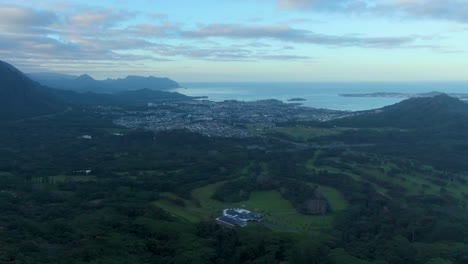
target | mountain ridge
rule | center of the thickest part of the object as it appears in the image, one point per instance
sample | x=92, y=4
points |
x=131, y=97
x=86, y=83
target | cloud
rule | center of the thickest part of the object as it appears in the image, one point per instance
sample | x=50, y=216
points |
x=300, y=4
x=102, y=34
x=288, y=34
x=83, y=35
x=151, y=30
x=220, y=53
x=241, y=31
x=71, y=34
x=20, y=16
x=284, y=57
x=158, y=16
x=99, y=18
x=23, y=20
x=453, y=10
x=456, y=10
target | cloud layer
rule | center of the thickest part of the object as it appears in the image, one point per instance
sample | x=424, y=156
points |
x=452, y=10
x=73, y=34
x=288, y=34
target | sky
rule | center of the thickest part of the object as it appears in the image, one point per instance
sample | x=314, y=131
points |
x=240, y=40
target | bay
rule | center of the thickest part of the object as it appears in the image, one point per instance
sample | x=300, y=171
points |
x=319, y=95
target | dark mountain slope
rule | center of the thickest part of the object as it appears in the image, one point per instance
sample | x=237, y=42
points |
x=20, y=96
x=441, y=111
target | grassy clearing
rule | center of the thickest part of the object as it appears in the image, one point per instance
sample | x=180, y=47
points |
x=190, y=212
x=203, y=197
x=65, y=178
x=413, y=183
x=310, y=165
x=76, y=178
x=275, y=209
x=334, y=197
x=280, y=212
x=298, y=133
x=306, y=133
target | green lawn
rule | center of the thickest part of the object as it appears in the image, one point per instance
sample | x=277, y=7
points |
x=306, y=133
x=189, y=212
x=335, y=199
x=413, y=182
x=298, y=133
x=203, y=196
x=278, y=212
x=310, y=165
x=64, y=178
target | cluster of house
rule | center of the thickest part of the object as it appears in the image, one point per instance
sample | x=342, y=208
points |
x=235, y=217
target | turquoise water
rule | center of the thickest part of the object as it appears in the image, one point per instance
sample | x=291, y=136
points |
x=319, y=95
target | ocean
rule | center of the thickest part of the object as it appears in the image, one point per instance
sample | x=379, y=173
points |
x=318, y=95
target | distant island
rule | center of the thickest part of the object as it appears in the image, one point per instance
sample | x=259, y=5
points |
x=296, y=99
x=461, y=96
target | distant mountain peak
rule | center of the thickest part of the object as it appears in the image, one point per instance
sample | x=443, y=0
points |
x=85, y=77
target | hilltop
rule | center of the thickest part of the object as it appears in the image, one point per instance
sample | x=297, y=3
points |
x=421, y=112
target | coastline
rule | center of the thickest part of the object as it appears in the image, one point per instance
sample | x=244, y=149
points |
x=461, y=96
x=318, y=95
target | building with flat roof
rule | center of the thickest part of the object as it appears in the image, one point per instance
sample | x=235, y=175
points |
x=236, y=217
x=230, y=221
x=242, y=214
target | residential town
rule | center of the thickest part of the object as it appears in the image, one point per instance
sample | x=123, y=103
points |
x=221, y=119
